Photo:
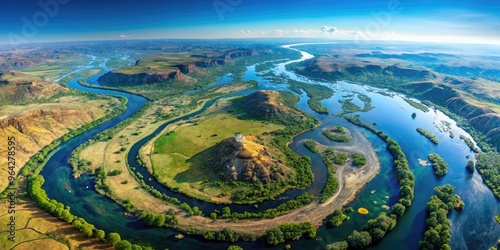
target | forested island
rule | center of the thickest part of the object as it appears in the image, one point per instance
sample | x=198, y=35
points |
x=438, y=164
x=429, y=135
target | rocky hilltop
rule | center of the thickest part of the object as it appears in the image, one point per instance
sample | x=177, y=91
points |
x=265, y=104
x=17, y=88
x=162, y=68
x=115, y=78
x=325, y=65
x=248, y=157
x=242, y=158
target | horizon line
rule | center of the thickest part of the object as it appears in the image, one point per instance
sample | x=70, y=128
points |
x=250, y=38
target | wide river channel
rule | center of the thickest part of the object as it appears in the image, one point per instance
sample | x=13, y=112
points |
x=472, y=228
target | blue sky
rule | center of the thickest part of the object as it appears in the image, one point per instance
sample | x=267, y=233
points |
x=28, y=21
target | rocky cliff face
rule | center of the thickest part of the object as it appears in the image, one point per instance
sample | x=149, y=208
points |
x=237, y=54
x=114, y=78
x=118, y=78
x=212, y=63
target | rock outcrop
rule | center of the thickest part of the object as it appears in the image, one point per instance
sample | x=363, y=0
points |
x=243, y=159
x=22, y=92
x=146, y=72
x=116, y=78
x=265, y=104
x=239, y=53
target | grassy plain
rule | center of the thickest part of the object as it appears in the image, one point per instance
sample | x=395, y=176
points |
x=173, y=154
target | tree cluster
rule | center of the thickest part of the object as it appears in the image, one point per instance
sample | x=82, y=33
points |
x=470, y=166
x=336, y=137
x=338, y=217
x=300, y=201
x=358, y=160
x=379, y=227
x=488, y=165
x=158, y=220
x=289, y=231
x=439, y=165
x=39, y=196
x=437, y=234
x=429, y=135
x=470, y=144
x=225, y=234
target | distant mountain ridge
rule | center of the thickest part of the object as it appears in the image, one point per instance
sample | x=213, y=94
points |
x=162, y=68
x=421, y=83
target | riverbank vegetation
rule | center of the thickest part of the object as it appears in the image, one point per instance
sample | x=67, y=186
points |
x=429, y=135
x=348, y=106
x=59, y=210
x=227, y=235
x=377, y=228
x=438, y=164
x=488, y=158
x=316, y=94
x=332, y=184
x=367, y=102
x=358, y=160
x=338, y=217
x=437, y=234
x=291, y=231
x=488, y=165
x=470, y=144
x=417, y=105
x=337, y=134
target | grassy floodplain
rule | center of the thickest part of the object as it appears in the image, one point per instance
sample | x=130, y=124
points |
x=174, y=155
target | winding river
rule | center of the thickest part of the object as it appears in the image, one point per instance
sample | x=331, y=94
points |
x=473, y=228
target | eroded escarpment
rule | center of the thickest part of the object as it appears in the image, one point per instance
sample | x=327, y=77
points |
x=161, y=68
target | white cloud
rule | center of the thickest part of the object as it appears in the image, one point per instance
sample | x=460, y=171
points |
x=124, y=36
x=324, y=32
x=328, y=29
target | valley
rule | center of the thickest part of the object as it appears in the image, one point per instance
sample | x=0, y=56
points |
x=227, y=157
